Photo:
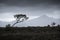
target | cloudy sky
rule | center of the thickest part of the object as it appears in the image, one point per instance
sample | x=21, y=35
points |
x=32, y=8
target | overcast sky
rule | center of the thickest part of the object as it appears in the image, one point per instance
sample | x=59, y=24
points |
x=31, y=8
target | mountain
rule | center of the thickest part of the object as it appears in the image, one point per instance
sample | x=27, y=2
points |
x=40, y=21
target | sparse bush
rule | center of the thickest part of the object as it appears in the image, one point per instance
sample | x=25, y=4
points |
x=58, y=25
x=48, y=26
x=53, y=24
x=8, y=26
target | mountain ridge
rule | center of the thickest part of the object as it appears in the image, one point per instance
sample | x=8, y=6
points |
x=40, y=21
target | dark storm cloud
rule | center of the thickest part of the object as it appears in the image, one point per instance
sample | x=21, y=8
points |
x=31, y=7
x=29, y=2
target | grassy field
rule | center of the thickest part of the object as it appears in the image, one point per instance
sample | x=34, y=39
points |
x=30, y=33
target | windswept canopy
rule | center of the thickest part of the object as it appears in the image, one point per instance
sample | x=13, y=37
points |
x=19, y=15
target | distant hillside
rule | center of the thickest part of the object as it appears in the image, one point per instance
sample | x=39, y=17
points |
x=40, y=21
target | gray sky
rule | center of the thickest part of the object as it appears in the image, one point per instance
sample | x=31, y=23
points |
x=31, y=8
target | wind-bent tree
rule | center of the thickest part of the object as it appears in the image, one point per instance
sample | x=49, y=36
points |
x=20, y=18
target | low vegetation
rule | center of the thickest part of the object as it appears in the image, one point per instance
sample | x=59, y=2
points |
x=30, y=33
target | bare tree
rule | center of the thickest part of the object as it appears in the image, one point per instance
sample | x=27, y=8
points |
x=20, y=18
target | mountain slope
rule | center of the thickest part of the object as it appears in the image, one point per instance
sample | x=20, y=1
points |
x=40, y=21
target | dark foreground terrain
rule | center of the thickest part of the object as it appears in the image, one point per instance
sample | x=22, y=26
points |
x=30, y=33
